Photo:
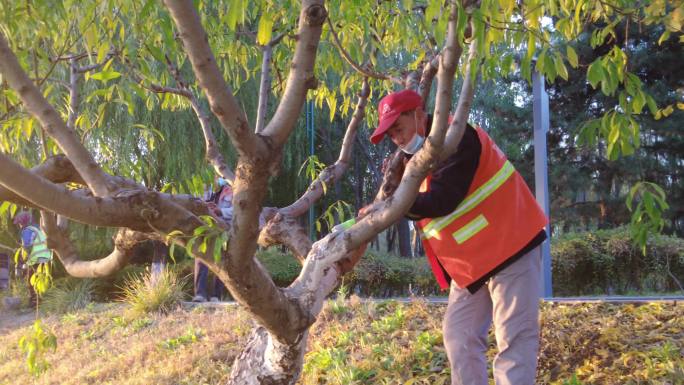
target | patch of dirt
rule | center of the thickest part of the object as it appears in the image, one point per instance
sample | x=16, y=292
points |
x=13, y=319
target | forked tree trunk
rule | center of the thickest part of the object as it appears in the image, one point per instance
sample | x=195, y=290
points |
x=266, y=361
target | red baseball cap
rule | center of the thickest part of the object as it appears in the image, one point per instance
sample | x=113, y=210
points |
x=389, y=109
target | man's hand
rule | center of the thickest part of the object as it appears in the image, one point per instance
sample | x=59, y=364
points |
x=213, y=209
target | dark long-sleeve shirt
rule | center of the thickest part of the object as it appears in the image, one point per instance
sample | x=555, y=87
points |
x=449, y=185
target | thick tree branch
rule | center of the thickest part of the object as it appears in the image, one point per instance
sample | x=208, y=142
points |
x=58, y=240
x=248, y=281
x=57, y=169
x=264, y=87
x=53, y=124
x=265, y=83
x=465, y=100
x=285, y=230
x=213, y=155
x=221, y=100
x=429, y=71
x=132, y=206
x=301, y=77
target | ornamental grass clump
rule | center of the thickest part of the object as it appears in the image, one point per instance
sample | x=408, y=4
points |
x=150, y=293
x=68, y=295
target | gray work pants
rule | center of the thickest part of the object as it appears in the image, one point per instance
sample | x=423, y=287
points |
x=510, y=299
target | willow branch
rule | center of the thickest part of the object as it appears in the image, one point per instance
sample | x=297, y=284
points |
x=53, y=124
x=213, y=154
x=345, y=55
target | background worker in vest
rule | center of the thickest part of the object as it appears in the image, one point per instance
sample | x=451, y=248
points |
x=34, y=242
x=481, y=228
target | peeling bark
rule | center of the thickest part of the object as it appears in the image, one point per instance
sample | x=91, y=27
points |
x=265, y=361
x=285, y=230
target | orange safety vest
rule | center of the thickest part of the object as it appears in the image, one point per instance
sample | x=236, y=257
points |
x=496, y=219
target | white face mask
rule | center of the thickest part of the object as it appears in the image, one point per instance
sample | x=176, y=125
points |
x=416, y=141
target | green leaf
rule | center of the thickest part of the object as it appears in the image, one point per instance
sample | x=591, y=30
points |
x=157, y=53
x=560, y=66
x=652, y=106
x=638, y=102
x=664, y=37
x=189, y=245
x=572, y=57
x=217, y=249
x=105, y=75
x=172, y=252
x=235, y=13
x=432, y=10
x=614, y=134
x=265, y=29
x=595, y=73
x=200, y=230
x=407, y=5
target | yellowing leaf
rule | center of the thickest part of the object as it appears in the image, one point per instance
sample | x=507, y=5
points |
x=265, y=29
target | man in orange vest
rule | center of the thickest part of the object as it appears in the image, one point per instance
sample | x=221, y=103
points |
x=481, y=228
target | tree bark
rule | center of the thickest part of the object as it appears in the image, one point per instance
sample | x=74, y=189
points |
x=58, y=240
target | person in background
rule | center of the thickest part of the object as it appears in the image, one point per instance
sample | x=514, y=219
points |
x=34, y=242
x=220, y=202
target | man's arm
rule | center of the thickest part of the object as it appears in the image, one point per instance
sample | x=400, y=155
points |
x=450, y=182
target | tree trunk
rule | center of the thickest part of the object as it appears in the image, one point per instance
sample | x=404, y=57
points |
x=266, y=361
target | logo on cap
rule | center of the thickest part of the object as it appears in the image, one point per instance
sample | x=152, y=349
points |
x=386, y=108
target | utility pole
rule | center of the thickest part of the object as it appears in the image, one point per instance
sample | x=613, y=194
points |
x=541, y=127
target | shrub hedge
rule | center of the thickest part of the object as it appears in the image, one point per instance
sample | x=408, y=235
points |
x=606, y=262
x=589, y=263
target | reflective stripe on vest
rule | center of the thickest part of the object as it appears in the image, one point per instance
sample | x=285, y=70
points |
x=39, y=250
x=470, y=202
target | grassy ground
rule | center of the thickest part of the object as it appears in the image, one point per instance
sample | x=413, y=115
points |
x=353, y=342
